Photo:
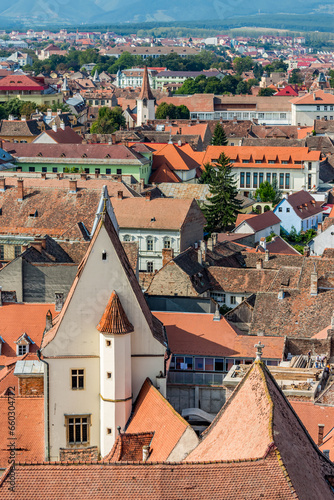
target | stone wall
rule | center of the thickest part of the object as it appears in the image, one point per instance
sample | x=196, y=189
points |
x=303, y=346
x=170, y=280
x=78, y=454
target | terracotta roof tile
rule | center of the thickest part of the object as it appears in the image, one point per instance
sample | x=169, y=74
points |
x=129, y=447
x=114, y=319
x=153, y=413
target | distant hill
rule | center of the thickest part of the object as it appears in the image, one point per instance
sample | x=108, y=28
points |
x=76, y=12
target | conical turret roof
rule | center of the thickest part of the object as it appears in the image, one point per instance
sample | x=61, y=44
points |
x=114, y=319
x=146, y=92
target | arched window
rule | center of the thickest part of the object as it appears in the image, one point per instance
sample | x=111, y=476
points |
x=149, y=243
x=126, y=237
x=167, y=242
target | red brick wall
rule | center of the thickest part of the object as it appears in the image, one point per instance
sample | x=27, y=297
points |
x=31, y=386
x=76, y=454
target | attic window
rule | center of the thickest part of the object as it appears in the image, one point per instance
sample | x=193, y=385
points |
x=107, y=156
x=63, y=155
x=39, y=154
x=84, y=155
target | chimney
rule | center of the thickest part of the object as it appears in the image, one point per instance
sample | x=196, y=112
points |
x=199, y=256
x=259, y=264
x=23, y=118
x=314, y=96
x=48, y=321
x=210, y=243
x=263, y=243
x=73, y=185
x=314, y=282
x=203, y=250
x=280, y=294
x=167, y=255
x=319, y=229
x=96, y=175
x=146, y=452
x=306, y=251
x=49, y=113
x=11, y=118
x=321, y=428
x=62, y=125
x=266, y=256
x=43, y=175
x=120, y=195
x=59, y=302
x=20, y=193
x=58, y=112
x=148, y=195
x=2, y=184
x=54, y=127
x=83, y=176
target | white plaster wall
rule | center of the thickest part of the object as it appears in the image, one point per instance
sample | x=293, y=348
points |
x=322, y=241
x=185, y=445
x=63, y=400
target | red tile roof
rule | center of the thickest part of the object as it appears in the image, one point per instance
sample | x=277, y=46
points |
x=175, y=157
x=29, y=429
x=257, y=418
x=317, y=97
x=21, y=82
x=159, y=213
x=199, y=334
x=67, y=136
x=114, y=319
x=311, y=415
x=16, y=319
x=263, y=479
x=262, y=221
x=129, y=447
x=304, y=204
x=153, y=413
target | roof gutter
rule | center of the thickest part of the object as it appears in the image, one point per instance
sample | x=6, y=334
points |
x=46, y=407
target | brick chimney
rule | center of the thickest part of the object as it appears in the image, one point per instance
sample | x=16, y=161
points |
x=167, y=255
x=2, y=184
x=73, y=185
x=20, y=192
x=321, y=428
x=120, y=195
x=43, y=175
x=314, y=282
x=306, y=251
x=148, y=195
x=259, y=264
x=83, y=176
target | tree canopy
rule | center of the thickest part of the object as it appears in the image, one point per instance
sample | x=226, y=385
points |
x=269, y=192
x=267, y=92
x=108, y=121
x=223, y=205
x=219, y=137
x=172, y=111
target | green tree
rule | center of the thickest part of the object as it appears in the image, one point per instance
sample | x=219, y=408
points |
x=172, y=111
x=242, y=64
x=296, y=77
x=268, y=192
x=242, y=88
x=208, y=174
x=182, y=112
x=219, y=137
x=267, y=92
x=223, y=205
x=108, y=121
x=13, y=107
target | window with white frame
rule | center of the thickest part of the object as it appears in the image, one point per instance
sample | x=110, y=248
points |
x=219, y=297
x=167, y=242
x=22, y=349
x=149, y=244
x=233, y=299
x=150, y=267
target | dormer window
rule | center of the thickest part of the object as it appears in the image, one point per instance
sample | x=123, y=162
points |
x=22, y=344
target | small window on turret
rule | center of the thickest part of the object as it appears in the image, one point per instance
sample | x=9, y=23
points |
x=104, y=255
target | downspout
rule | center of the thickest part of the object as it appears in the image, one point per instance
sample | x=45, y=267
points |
x=46, y=406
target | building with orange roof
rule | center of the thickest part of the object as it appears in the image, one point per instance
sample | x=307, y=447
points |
x=262, y=452
x=294, y=168
x=182, y=160
x=204, y=347
x=161, y=226
x=99, y=350
x=317, y=105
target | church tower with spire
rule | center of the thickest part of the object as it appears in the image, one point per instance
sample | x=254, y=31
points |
x=145, y=102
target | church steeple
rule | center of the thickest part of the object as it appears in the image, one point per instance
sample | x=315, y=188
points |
x=146, y=92
x=145, y=102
